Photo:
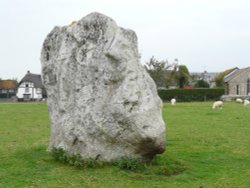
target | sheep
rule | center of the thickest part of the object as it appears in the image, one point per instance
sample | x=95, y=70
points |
x=173, y=101
x=246, y=102
x=217, y=104
x=238, y=100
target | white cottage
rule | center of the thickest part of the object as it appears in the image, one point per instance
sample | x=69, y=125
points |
x=30, y=88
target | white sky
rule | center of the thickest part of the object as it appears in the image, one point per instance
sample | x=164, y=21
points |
x=203, y=34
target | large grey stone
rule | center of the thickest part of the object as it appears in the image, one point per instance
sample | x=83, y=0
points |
x=102, y=102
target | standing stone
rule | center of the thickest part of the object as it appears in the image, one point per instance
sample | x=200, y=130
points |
x=102, y=102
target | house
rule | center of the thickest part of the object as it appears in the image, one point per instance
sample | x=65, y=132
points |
x=206, y=76
x=7, y=89
x=237, y=82
x=30, y=88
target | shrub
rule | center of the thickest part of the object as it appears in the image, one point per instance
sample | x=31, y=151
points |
x=202, y=84
x=187, y=95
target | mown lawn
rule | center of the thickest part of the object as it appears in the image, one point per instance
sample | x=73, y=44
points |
x=213, y=146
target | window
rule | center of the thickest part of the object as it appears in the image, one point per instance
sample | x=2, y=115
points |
x=38, y=91
x=26, y=88
x=248, y=86
x=237, y=90
x=11, y=91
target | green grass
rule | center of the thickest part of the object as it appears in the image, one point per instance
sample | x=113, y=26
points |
x=205, y=148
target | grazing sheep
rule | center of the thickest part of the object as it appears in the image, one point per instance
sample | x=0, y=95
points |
x=238, y=100
x=217, y=104
x=246, y=102
x=173, y=101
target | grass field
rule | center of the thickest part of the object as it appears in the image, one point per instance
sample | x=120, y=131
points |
x=213, y=146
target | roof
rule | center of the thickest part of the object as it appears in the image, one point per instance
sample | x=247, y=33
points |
x=8, y=84
x=230, y=72
x=234, y=73
x=34, y=78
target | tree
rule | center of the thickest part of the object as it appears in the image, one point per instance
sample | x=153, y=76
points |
x=183, y=76
x=194, y=78
x=172, y=75
x=219, y=80
x=160, y=71
x=201, y=84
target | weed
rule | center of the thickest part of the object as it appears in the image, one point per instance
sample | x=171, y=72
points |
x=126, y=163
x=76, y=160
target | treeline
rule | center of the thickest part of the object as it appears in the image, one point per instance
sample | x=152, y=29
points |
x=175, y=81
x=167, y=74
x=173, y=75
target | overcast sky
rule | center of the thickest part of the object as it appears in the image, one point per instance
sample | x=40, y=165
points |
x=211, y=35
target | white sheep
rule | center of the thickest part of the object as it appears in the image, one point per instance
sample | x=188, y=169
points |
x=238, y=100
x=246, y=102
x=217, y=104
x=173, y=101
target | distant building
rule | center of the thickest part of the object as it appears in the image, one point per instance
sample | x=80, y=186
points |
x=237, y=82
x=8, y=89
x=206, y=76
x=30, y=88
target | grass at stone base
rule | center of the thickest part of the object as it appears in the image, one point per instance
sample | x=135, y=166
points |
x=212, y=145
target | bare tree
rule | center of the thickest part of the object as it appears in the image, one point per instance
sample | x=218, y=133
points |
x=162, y=72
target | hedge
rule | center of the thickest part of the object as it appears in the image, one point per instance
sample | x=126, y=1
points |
x=187, y=95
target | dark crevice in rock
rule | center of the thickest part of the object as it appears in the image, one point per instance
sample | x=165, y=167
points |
x=131, y=104
x=97, y=156
x=112, y=59
x=47, y=56
x=75, y=141
x=145, y=127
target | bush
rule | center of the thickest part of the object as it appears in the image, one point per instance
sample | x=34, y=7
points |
x=187, y=95
x=202, y=84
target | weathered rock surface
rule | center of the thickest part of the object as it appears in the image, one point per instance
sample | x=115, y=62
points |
x=102, y=102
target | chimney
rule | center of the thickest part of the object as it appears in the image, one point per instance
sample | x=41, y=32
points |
x=28, y=72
